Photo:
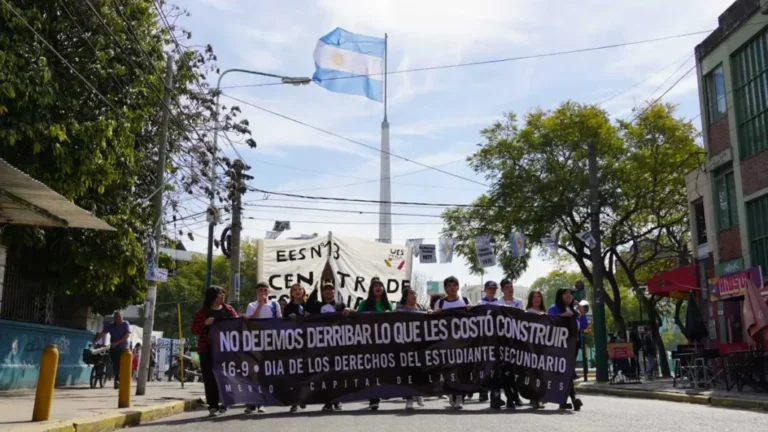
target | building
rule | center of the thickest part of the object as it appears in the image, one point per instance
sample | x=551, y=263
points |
x=728, y=195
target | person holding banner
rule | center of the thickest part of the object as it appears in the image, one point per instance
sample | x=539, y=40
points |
x=536, y=303
x=295, y=309
x=408, y=304
x=377, y=301
x=508, y=294
x=490, y=289
x=262, y=308
x=565, y=305
x=326, y=304
x=213, y=309
x=452, y=301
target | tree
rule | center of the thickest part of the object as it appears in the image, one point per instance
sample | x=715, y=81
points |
x=84, y=118
x=185, y=288
x=556, y=279
x=539, y=183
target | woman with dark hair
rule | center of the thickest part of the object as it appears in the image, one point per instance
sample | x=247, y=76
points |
x=536, y=303
x=408, y=304
x=377, y=301
x=213, y=309
x=296, y=308
x=566, y=306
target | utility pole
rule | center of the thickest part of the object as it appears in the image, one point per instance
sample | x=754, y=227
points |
x=237, y=226
x=149, y=310
x=598, y=302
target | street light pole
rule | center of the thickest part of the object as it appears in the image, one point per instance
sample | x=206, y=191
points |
x=212, y=211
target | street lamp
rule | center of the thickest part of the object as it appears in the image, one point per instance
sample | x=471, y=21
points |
x=212, y=211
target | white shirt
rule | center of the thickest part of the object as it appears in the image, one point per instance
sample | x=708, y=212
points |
x=266, y=310
x=327, y=308
x=515, y=302
x=484, y=300
x=447, y=304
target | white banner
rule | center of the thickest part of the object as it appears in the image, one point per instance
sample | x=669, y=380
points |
x=353, y=263
x=360, y=260
x=282, y=263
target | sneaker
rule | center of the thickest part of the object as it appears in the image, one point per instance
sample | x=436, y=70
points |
x=327, y=408
x=213, y=412
x=496, y=406
x=294, y=409
x=338, y=406
x=303, y=406
x=250, y=408
x=420, y=401
x=483, y=397
x=458, y=403
x=374, y=406
x=511, y=403
x=223, y=409
x=452, y=401
x=260, y=409
x=409, y=404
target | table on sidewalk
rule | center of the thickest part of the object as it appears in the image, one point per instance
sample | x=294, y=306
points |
x=79, y=402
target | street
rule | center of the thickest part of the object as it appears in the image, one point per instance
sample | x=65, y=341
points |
x=599, y=414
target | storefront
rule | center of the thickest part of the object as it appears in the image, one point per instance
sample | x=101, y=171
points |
x=726, y=305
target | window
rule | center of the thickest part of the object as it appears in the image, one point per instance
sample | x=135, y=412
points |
x=757, y=221
x=700, y=221
x=725, y=200
x=750, y=78
x=715, y=94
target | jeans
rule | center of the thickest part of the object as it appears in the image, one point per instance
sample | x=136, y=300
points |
x=209, y=380
x=650, y=367
x=114, y=356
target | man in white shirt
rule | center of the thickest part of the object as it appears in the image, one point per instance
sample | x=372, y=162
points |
x=262, y=308
x=508, y=293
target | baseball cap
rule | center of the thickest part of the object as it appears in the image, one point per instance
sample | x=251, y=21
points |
x=491, y=284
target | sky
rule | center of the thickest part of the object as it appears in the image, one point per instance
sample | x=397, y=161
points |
x=435, y=116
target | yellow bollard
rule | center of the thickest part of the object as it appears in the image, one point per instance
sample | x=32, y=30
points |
x=46, y=379
x=124, y=392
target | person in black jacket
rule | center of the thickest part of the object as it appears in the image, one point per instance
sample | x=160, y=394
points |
x=649, y=351
x=326, y=304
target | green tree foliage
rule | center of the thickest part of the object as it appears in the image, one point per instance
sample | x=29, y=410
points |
x=553, y=281
x=86, y=122
x=539, y=181
x=185, y=288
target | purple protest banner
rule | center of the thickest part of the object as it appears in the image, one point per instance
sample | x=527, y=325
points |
x=332, y=358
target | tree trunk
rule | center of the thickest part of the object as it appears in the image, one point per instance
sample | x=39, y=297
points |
x=653, y=318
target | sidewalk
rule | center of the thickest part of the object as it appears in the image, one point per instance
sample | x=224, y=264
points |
x=83, y=408
x=662, y=390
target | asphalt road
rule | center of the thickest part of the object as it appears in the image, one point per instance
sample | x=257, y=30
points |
x=598, y=414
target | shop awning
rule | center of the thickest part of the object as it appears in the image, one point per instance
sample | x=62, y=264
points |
x=676, y=283
x=26, y=201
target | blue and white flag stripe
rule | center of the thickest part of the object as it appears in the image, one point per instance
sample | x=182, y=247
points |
x=350, y=63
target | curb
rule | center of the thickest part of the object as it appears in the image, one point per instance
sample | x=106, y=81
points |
x=110, y=422
x=736, y=403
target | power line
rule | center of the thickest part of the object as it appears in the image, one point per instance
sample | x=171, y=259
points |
x=325, y=131
x=663, y=94
x=343, y=210
x=642, y=81
x=502, y=60
x=345, y=222
x=357, y=200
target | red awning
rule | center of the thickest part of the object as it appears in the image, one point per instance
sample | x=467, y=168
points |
x=675, y=283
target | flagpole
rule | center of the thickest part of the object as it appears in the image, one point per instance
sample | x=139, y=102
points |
x=385, y=190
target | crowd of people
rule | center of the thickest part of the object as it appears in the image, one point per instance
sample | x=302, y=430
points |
x=324, y=301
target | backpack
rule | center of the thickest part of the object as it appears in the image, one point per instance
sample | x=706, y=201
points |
x=441, y=302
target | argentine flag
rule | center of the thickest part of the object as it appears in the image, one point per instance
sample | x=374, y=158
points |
x=344, y=63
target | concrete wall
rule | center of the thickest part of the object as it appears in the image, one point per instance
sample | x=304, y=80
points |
x=22, y=344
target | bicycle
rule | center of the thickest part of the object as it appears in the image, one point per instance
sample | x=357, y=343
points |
x=98, y=358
